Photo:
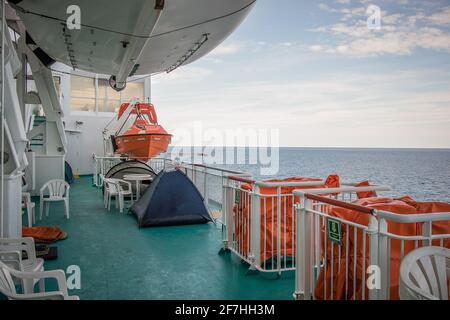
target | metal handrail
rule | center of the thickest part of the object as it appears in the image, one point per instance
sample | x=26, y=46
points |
x=216, y=169
x=290, y=184
x=342, y=190
x=241, y=179
x=413, y=218
x=341, y=204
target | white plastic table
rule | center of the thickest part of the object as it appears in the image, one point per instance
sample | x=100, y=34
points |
x=138, y=178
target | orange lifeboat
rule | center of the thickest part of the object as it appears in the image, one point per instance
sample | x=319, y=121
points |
x=145, y=138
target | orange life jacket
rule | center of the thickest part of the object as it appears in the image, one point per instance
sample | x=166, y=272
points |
x=269, y=220
x=399, y=206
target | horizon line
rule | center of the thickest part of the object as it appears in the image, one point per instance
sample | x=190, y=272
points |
x=319, y=147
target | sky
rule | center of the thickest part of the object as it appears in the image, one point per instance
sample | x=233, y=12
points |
x=314, y=71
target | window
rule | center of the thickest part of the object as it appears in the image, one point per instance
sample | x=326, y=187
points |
x=133, y=90
x=82, y=97
x=85, y=96
x=108, y=98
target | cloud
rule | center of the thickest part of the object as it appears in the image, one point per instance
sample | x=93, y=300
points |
x=213, y=60
x=400, y=34
x=314, y=94
x=316, y=48
x=226, y=49
x=183, y=75
x=403, y=108
x=441, y=18
x=325, y=7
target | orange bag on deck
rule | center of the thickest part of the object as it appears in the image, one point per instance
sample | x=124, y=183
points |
x=386, y=204
x=44, y=234
x=269, y=222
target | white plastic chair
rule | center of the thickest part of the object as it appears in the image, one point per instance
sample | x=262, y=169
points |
x=424, y=274
x=115, y=188
x=30, y=264
x=30, y=207
x=58, y=190
x=7, y=287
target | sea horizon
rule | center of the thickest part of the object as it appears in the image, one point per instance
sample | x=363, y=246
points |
x=421, y=173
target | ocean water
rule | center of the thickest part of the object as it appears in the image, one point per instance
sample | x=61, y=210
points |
x=423, y=174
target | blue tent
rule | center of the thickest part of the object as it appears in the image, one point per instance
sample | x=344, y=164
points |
x=171, y=199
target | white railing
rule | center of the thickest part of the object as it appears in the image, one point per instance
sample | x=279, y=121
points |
x=428, y=225
x=261, y=220
x=337, y=255
x=210, y=182
x=159, y=164
x=103, y=164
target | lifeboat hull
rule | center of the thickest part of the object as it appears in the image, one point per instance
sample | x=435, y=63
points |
x=142, y=146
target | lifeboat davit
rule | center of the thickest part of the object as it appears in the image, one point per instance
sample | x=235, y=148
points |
x=145, y=138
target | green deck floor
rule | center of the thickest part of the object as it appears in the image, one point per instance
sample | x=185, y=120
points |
x=120, y=261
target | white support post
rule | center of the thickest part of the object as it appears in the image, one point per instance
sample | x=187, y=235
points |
x=224, y=198
x=228, y=209
x=427, y=232
x=12, y=136
x=11, y=226
x=279, y=230
x=383, y=256
x=303, y=269
x=52, y=152
x=317, y=254
x=95, y=176
x=373, y=249
x=102, y=167
x=255, y=228
x=205, y=188
x=307, y=248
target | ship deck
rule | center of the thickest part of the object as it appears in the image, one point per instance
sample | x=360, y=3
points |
x=120, y=261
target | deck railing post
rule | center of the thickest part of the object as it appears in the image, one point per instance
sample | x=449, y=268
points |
x=303, y=251
x=427, y=232
x=228, y=210
x=279, y=237
x=255, y=228
x=223, y=180
x=102, y=167
x=205, y=188
x=299, y=292
x=383, y=257
x=308, y=249
x=373, y=249
x=95, y=176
